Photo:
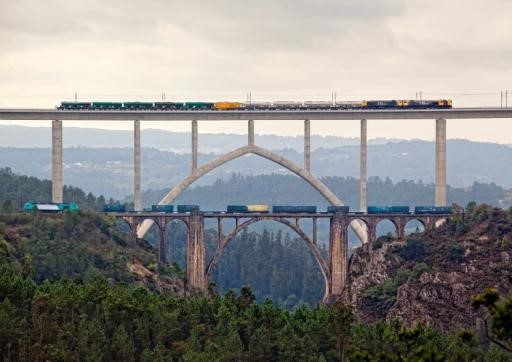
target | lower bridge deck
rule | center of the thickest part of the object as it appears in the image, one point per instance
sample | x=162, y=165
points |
x=270, y=215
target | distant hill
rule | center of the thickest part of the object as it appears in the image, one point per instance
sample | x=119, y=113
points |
x=179, y=142
x=109, y=171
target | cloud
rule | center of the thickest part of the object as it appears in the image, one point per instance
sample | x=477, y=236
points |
x=225, y=48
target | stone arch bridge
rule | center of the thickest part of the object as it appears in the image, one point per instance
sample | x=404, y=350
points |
x=334, y=266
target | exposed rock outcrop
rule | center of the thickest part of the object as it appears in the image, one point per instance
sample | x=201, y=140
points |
x=435, y=286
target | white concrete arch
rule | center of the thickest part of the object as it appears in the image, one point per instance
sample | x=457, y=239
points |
x=201, y=171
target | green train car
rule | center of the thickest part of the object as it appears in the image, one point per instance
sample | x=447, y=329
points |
x=50, y=207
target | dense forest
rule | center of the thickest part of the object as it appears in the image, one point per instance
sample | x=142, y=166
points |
x=100, y=321
x=275, y=265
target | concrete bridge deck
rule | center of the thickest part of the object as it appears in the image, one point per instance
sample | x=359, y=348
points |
x=13, y=114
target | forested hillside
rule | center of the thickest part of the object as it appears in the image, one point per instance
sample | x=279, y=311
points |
x=18, y=189
x=97, y=321
x=75, y=287
x=80, y=246
x=287, y=189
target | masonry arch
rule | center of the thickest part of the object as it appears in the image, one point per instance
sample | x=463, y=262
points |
x=269, y=155
x=176, y=235
x=416, y=225
x=365, y=226
x=324, y=269
x=385, y=226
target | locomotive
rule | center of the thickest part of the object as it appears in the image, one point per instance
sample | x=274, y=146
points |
x=257, y=106
x=50, y=207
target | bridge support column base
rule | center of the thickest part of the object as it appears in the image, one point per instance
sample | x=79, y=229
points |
x=57, y=183
x=338, y=256
x=196, y=275
x=162, y=259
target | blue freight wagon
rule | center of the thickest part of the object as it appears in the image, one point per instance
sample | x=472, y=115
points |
x=383, y=104
x=162, y=208
x=114, y=208
x=187, y=208
x=334, y=209
x=278, y=209
x=237, y=208
x=388, y=209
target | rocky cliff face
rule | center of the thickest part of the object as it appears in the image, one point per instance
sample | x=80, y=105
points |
x=430, y=278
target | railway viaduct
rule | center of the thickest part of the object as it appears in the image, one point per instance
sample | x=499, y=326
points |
x=334, y=269
x=334, y=272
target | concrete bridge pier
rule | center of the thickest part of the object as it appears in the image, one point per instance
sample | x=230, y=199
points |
x=362, y=169
x=250, y=133
x=57, y=183
x=338, y=255
x=440, y=162
x=194, y=145
x=137, y=200
x=307, y=145
x=162, y=257
x=196, y=272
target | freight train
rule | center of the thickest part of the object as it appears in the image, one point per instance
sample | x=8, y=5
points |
x=240, y=209
x=303, y=209
x=258, y=106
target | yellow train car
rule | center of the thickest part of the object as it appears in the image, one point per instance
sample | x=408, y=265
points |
x=226, y=106
x=258, y=208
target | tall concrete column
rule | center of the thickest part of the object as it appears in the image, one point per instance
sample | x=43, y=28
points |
x=161, y=247
x=57, y=184
x=194, y=145
x=250, y=132
x=196, y=273
x=440, y=162
x=338, y=252
x=307, y=145
x=363, y=168
x=137, y=200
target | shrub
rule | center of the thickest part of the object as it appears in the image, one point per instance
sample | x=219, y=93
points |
x=419, y=269
x=377, y=244
x=413, y=249
x=456, y=252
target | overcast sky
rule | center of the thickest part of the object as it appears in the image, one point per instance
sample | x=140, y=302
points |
x=287, y=49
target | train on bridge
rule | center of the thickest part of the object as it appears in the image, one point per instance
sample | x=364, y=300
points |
x=405, y=104
x=47, y=207
x=286, y=209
